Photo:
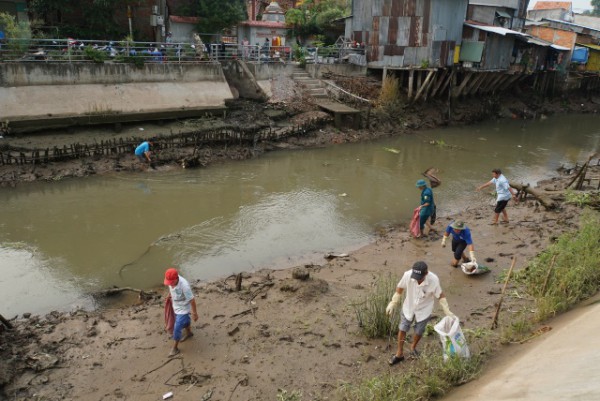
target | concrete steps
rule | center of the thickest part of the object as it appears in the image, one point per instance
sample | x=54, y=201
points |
x=310, y=86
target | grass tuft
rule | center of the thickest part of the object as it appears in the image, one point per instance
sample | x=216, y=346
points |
x=370, y=311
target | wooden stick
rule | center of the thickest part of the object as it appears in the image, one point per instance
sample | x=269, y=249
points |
x=5, y=322
x=548, y=275
x=495, y=321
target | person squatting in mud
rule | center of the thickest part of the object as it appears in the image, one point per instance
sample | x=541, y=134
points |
x=461, y=239
x=142, y=152
x=421, y=287
x=504, y=194
x=183, y=303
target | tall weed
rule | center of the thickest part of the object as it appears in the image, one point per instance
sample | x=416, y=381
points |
x=567, y=272
x=370, y=311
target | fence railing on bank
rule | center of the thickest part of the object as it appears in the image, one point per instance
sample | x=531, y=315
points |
x=71, y=51
x=116, y=147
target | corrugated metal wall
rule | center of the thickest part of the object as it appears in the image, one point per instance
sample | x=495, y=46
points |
x=408, y=33
x=497, y=53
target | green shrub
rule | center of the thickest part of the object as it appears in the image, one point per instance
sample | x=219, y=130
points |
x=97, y=56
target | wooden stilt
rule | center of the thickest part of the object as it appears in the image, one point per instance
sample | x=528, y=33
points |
x=411, y=78
x=498, y=77
x=463, y=84
x=442, y=76
x=425, y=85
x=476, y=83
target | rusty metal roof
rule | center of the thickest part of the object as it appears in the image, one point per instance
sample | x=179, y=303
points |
x=552, y=5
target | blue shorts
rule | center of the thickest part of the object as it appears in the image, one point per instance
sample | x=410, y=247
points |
x=181, y=322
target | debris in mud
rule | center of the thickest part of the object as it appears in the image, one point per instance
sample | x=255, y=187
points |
x=300, y=273
x=330, y=256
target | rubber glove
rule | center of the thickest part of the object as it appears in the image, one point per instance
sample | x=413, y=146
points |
x=445, y=307
x=472, y=256
x=393, y=304
x=444, y=238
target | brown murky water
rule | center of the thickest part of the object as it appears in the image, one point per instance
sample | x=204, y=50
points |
x=62, y=240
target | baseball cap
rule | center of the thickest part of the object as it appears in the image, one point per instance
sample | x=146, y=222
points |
x=421, y=183
x=419, y=270
x=171, y=276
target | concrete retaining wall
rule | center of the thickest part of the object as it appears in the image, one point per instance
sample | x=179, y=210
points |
x=25, y=74
x=317, y=70
x=265, y=71
x=38, y=96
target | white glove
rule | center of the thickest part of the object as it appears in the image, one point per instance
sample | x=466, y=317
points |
x=393, y=304
x=472, y=256
x=445, y=307
x=444, y=238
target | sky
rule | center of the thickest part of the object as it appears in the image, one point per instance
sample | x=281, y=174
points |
x=578, y=5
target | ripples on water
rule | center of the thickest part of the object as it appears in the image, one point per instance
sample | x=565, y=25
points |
x=284, y=208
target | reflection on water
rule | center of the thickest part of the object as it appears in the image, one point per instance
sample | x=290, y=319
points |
x=279, y=210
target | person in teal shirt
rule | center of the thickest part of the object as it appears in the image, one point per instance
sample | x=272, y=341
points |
x=427, y=208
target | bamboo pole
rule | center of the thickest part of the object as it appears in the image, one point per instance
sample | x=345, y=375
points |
x=495, y=320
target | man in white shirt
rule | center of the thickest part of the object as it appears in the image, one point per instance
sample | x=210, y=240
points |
x=504, y=194
x=183, y=303
x=421, y=287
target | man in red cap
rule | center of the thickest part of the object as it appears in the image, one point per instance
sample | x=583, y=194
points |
x=183, y=304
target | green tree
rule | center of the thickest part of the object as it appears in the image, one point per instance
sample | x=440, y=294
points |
x=18, y=33
x=312, y=17
x=596, y=6
x=216, y=15
x=50, y=11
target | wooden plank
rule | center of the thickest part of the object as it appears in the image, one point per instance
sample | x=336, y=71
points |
x=425, y=85
x=496, y=77
x=475, y=88
x=463, y=84
x=444, y=81
x=411, y=79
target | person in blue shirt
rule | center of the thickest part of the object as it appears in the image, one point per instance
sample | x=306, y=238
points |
x=504, y=194
x=461, y=238
x=427, y=208
x=142, y=152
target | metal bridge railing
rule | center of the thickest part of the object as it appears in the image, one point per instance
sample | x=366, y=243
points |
x=70, y=50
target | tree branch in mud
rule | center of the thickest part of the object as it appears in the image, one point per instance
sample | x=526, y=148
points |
x=5, y=322
x=144, y=295
x=546, y=201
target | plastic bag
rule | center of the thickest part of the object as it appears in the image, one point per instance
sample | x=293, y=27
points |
x=415, y=226
x=452, y=338
x=472, y=268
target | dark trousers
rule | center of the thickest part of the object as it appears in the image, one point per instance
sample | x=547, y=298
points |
x=458, y=247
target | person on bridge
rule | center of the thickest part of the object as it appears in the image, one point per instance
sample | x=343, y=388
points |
x=427, y=208
x=504, y=194
x=142, y=152
x=183, y=303
x=421, y=287
x=461, y=238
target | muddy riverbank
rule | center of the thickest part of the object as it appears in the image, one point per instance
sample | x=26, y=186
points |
x=289, y=108
x=276, y=334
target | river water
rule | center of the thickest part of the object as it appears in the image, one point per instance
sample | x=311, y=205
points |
x=61, y=241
